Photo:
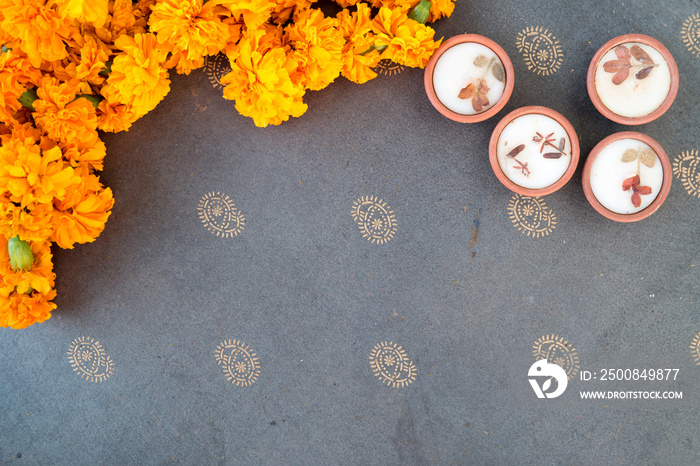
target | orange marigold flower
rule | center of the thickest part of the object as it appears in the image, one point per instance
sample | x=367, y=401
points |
x=407, y=42
x=115, y=116
x=90, y=152
x=254, y=13
x=359, y=54
x=138, y=77
x=93, y=12
x=16, y=75
x=29, y=174
x=188, y=30
x=31, y=223
x=317, y=45
x=25, y=296
x=438, y=8
x=94, y=55
x=81, y=217
x=40, y=29
x=61, y=115
x=260, y=81
x=283, y=9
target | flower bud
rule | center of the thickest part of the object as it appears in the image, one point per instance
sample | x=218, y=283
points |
x=420, y=12
x=21, y=256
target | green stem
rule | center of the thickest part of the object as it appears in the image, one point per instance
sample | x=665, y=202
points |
x=27, y=99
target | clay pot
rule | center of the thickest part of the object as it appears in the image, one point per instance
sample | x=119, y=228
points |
x=574, y=151
x=662, y=193
x=631, y=38
x=509, y=81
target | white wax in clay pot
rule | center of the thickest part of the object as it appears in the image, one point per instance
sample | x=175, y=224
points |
x=632, y=79
x=534, y=151
x=469, y=78
x=626, y=172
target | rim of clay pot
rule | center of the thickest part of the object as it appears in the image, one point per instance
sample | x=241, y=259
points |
x=530, y=110
x=665, y=184
x=651, y=42
x=507, y=66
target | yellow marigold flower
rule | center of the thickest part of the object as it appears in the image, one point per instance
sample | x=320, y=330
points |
x=31, y=223
x=283, y=9
x=25, y=296
x=348, y=3
x=138, y=77
x=82, y=216
x=19, y=311
x=259, y=81
x=115, y=116
x=93, y=12
x=16, y=74
x=407, y=42
x=359, y=55
x=89, y=152
x=188, y=30
x=61, y=115
x=94, y=55
x=29, y=174
x=317, y=45
x=438, y=8
x=254, y=13
x=40, y=29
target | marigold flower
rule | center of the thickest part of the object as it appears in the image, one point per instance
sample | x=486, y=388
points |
x=93, y=12
x=283, y=9
x=90, y=152
x=254, y=13
x=31, y=223
x=29, y=174
x=25, y=295
x=317, y=45
x=16, y=74
x=40, y=29
x=438, y=8
x=260, y=81
x=115, y=116
x=82, y=216
x=138, y=77
x=61, y=115
x=188, y=30
x=407, y=42
x=94, y=55
x=359, y=54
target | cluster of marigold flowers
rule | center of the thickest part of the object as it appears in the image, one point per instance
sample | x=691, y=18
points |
x=71, y=68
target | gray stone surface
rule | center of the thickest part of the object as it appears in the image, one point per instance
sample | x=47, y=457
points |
x=461, y=288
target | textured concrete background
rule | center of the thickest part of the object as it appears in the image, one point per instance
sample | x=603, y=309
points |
x=460, y=286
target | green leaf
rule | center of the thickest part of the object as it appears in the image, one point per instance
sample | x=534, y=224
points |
x=27, y=98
